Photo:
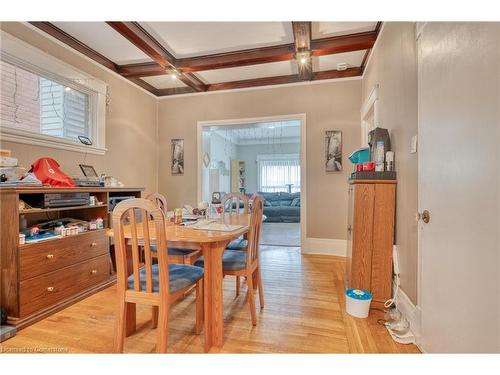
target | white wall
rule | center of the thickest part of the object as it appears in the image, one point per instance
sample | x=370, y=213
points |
x=393, y=66
x=219, y=149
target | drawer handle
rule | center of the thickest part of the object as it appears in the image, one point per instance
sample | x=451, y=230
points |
x=93, y=244
x=93, y=272
x=50, y=289
x=50, y=256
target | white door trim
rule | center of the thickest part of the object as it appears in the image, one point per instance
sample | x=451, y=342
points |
x=303, y=178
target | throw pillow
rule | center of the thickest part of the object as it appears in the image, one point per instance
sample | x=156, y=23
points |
x=295, y=202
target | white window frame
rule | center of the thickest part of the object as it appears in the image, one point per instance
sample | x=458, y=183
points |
x=25, y=56
x=271, y=157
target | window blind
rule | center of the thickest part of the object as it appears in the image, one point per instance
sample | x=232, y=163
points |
x=19, y=98
x=36, y=104
x=276, y=174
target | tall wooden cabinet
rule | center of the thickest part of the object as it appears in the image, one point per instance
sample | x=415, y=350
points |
x=238, y=176
x=370, y=237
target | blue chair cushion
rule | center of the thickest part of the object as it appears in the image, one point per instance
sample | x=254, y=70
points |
x=231, y=260
x=180, y=276
x=237, y=244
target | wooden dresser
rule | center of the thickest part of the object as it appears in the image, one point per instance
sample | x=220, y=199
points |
x=370, y=237
x=38, y=279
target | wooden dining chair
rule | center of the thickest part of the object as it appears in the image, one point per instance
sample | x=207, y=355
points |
x=157, y=285
x=231, y=202
x=246, y=263
x=175, y=255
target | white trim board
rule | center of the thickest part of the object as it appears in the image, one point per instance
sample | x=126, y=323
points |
x=303, y=188
x=324, y=246
x=411, y=312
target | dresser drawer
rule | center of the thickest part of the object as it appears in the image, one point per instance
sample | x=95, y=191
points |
x=50, y=288
x=39, y=258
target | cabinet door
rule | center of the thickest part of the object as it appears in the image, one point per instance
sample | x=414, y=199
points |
x=362, y=236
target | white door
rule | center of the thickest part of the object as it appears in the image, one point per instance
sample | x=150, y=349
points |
x=459, y=142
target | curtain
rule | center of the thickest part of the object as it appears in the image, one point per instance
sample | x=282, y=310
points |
x=277, y=174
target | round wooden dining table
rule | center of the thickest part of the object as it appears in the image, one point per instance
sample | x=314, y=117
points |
x=212, y=244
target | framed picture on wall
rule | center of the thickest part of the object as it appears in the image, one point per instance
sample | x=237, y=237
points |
x=177, y=164
x=333, y=151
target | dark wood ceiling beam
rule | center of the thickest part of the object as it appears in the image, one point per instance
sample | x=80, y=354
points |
x=254, y=56
x=175, y=91
x=343, y=43
x=302, y=38
x=67, y=39
x=151, y=47
x=146, y=86
x=331, y=74
x=266, y=81
x=280, y=80
x=237, y=58
x=141, y=70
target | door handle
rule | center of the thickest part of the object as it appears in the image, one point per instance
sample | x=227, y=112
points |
x=425, y=216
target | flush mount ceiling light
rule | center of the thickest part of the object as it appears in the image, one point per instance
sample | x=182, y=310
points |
x=303, y=57
x=342, y=66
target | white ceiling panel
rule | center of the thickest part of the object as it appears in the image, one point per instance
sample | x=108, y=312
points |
x=282, y=68
x=273, y=132
x=328, y=29
x=105, y=40
x=164, y=81
x=187, y=39
x=329, y=62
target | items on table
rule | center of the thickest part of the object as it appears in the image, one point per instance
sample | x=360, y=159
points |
x=178, y=216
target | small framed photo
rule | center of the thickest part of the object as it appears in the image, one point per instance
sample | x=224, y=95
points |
x=216, y=196
x=177, y=162
x=333, y=151
x=88, y=170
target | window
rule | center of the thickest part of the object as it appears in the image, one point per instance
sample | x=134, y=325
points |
x=279, y=173
x=46, y=102
x=32, y=103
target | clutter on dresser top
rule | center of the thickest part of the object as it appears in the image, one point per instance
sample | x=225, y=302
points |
x=375, y=162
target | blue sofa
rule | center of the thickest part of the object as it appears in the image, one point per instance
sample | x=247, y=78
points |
x=281, y=207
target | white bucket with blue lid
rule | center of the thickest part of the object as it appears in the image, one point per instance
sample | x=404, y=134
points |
x=357, y=302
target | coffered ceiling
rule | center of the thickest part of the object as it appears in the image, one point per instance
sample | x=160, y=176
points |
x=172, y=58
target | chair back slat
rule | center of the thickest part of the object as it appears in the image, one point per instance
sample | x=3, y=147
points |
x=232, y=202
x=148, y=260
x=159, y=200
x=139, y=217
x=254, y=230
x=135, y=248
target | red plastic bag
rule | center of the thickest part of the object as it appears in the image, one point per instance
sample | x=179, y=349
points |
x=48, y=172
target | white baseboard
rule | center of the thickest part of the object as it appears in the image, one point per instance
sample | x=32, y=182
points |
x=411, y=312
x=326, y=246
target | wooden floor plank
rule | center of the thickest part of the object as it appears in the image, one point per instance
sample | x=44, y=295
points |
x=304, y=313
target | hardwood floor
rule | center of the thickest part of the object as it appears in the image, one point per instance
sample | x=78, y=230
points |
x=304, y=313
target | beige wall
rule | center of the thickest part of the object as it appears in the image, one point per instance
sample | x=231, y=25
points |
x=130, y=125
x=393, y=65
x=327, y=106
